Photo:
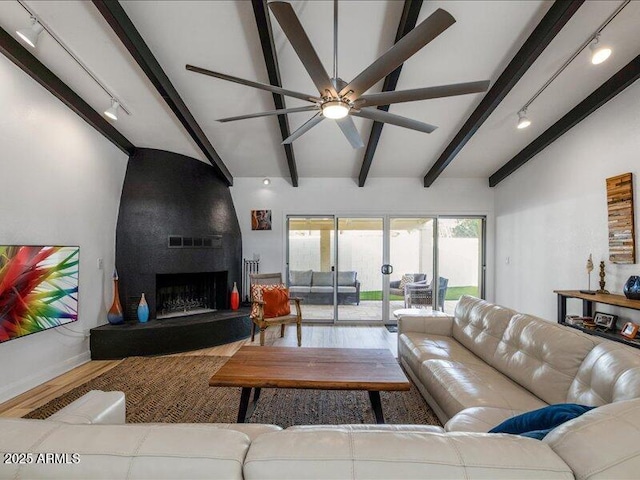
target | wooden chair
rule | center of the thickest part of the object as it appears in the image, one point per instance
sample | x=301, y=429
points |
x=263, y=323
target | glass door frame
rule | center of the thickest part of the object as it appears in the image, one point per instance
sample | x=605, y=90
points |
x=482, y=257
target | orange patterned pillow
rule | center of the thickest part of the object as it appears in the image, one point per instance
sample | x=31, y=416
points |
x=276, y=302
x=257, y=293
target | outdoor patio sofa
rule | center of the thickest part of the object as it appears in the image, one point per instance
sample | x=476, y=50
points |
x=316, y=288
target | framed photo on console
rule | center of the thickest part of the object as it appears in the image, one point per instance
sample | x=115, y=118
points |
x=630, y=330
x=605, y=320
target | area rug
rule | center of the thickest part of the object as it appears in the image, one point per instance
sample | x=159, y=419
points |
x=176, y=390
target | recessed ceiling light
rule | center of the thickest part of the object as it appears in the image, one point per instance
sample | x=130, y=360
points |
x=266, y=181
x=31, y=33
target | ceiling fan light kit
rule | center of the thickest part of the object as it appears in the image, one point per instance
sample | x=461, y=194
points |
x=339, y=100
x=335, y=109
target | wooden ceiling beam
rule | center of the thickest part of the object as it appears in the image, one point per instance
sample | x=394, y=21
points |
x=261, y=12
x=24, y=59
x=408, y=21
x=554, y=20
x=609, y=89
x=126, y=31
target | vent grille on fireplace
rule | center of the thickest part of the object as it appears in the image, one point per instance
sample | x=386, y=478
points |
x=209, y=241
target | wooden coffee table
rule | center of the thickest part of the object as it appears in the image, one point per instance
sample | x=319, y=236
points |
x=374, y=370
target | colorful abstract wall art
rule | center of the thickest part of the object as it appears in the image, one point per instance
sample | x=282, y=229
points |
x=38, y=288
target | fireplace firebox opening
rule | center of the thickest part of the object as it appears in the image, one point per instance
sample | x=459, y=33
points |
x=180, y=294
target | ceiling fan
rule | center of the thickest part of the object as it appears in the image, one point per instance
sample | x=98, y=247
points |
x=339, y=100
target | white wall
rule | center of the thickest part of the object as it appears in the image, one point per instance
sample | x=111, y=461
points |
x=60, y=185
x=342, y=196
x=552, y=213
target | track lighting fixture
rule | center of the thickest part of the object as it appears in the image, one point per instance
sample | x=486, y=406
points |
x=112, y=111
x=266, y=181
x=599, y=52
x=30, y=36
x=31, y=33
x=523, y=121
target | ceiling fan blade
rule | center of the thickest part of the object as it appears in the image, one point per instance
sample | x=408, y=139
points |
x=388, y=98
x=282, y=111
x=308, y=125
x=350, y=131
x=386, y=117
x=413, y=41
x=249, y=83
x=300, y=42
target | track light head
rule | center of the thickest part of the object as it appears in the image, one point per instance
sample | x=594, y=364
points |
x=523, y=121
x=112, y=111
x=31, y=33
x=599, y=53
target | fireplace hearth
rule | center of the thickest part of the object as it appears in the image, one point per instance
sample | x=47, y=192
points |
x=183, y=294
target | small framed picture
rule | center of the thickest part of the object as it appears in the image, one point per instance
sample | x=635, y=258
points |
x=260, y=219
x=630, y=330
x=605, y=320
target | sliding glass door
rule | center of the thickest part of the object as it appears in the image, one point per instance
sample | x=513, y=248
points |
x=359, y=279
x=411, y=254
x=310, y=265
x=460, y=260
x=429, y=263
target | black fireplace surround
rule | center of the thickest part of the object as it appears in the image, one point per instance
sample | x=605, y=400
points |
x=176, y=217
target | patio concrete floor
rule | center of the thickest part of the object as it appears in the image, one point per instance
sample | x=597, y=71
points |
x=367, y=311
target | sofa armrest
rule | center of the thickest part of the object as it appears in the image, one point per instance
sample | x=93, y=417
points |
x=434, y=323
x=95, y=407
x=394, y=284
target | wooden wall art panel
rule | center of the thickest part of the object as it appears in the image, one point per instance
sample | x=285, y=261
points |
x=622, y=241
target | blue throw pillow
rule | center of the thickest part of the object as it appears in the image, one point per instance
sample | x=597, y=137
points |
x=537, y=423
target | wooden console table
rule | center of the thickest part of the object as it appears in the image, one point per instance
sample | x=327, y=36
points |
x=587, y=311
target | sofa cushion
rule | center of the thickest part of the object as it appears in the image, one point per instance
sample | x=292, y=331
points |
x=315, y=289
x=456, y=386
x=542, y=420
x=601, y=444
x=346, y=289
x=415, y=348
x=322, y=279
x=124, y=451
x=339, y=453
x=347, y=278
x=479, y=326
x=479, y=419
x=541, y=356
x=610, y=373
x=300, y=278
x=298, y=289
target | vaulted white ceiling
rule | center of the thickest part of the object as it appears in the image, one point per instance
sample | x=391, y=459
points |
x=222, y=36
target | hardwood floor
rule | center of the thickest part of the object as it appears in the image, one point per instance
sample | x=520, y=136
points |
x=328, y=336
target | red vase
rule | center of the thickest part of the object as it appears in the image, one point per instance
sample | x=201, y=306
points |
x=235, y=297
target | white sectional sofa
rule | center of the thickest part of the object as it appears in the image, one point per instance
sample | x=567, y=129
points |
x=601, y=444
x=475, y=369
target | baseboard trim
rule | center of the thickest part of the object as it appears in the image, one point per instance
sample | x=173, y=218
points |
x=17, y=388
